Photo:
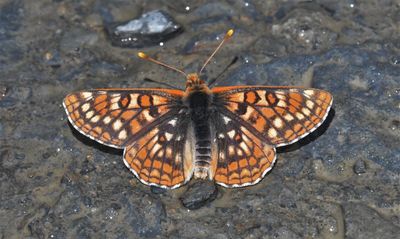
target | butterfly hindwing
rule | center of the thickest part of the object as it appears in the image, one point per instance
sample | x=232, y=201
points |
x=277, y=115
x=163, y=156
x=242, y=158
x=115, y=117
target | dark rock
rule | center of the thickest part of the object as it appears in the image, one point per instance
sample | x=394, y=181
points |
x=360, y=167
x=199, y=194
x=150, y=29
x=158, y=190
x=19, y=156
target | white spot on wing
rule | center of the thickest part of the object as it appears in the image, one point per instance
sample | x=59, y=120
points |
x=280, y=94
x=278, y=123
x=243, y=145
x=117, y=125
x=122, y=135
x=226, y=119
x=156, y=147
x=89, y=114
x=168, y=151
x=231, y=134
x=86, y=95
x=114, y=106
x=248, y=113
x=172, y=122
x=309, y=92
x=168, y=136
x=231, y=150
x=239, y=152
x=306, y=111
x=272, y=133
x=282, y=103
x=115, y=98
x=133, y=103
x=299, y=115
x=160, y=153
x=147, y=116
x=288, y=117
x=107, y=119
x=95, y=119
x=310, y=104
x=85, y=107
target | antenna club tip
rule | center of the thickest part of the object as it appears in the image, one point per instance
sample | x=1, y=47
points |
x=230, y=32
x=142, y=55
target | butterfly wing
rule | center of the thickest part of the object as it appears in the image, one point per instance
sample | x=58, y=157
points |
x=251, y=121
x=150, y=124
x=163, y=157
x=117, y=117
x=278, y=115
x=242, y=159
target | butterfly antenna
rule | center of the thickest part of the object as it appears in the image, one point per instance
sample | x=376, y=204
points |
x=148, y=58
x=228, y=35
x=214, y=80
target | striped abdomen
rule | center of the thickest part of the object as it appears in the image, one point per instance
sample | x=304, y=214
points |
x=198, y=102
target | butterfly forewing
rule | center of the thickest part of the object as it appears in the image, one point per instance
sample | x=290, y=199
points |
x=116, y=117
x=277, y=115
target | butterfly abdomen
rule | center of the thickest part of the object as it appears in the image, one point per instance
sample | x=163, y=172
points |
x=198, y=103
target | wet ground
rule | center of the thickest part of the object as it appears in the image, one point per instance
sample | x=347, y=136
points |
x=341, y=181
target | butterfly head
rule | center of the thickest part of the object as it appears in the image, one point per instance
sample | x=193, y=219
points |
x=193, y=80
x=195, y=84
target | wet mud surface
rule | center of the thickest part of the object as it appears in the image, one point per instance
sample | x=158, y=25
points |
x=341, y=181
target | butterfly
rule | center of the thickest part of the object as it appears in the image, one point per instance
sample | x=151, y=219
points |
x=226, y=134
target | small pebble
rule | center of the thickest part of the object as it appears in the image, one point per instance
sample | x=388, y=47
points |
x=149, y=29
x=199, y=194
x=359, y=167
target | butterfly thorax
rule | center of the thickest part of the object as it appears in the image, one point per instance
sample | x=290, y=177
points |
x=198, y=100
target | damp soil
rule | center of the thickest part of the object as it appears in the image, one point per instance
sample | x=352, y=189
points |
x=340, y=182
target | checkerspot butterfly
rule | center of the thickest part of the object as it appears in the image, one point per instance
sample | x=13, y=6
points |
x=226, y=134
